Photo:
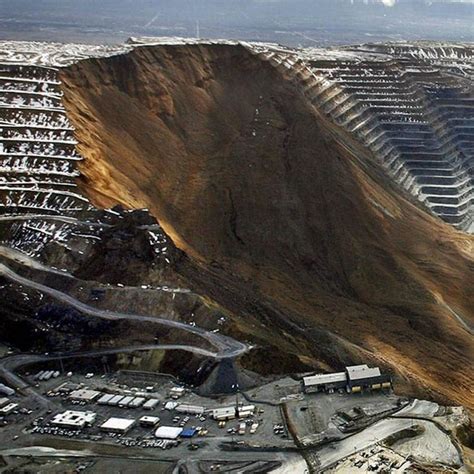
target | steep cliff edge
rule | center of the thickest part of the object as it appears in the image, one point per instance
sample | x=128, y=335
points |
x=308, y=245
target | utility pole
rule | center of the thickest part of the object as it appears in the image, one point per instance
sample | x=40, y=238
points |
x=236, y=387
x=104, y=364
x=198, y=33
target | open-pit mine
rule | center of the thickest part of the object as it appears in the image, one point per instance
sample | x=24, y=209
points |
x=274, y=244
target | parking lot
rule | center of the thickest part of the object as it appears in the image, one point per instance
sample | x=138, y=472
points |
x=265, y=427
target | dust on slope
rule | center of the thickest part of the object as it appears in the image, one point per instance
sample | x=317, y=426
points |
x=307, y=244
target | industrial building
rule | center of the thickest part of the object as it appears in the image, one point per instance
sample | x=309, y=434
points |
x=150, y=404
x=177, y=392
x=118, y=425
x=171, y=405
x=354, y=379
x=74, y=419
x=65, y=388
x=105, y=399
x=125, y=402
x=362, y=376
x=114, y=401
x=224, y=414
x=168, y=432
x=188, y=433
x=189, y=409
x=4, y=390
x=84, y=395
x=244, y=411
x=136, y=402
x=149, y=421
x=7, y=409
x=324, y=382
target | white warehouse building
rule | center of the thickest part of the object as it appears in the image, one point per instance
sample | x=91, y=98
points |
x=74, y=419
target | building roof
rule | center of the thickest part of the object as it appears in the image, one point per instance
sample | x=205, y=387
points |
x=358, y=372
x=223, y=411
x=8, y=391
x=74, y=418
x=125, y=400
x=188, y=433
x=151, y=403
x=177, y=390
x=357, y=367
x=84, y=395
x=117, y=424
x=184, y=408
x=106, y=398
x=171, y=405
x=323, y=379
x=67, y=387
x=137, y=401
x=149, y=419
x=168, y=432
x=8, y=408
x=115, y=400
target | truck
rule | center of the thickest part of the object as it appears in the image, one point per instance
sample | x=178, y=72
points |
x=253, y=428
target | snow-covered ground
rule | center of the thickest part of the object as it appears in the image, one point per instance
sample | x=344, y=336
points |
x=334, y=452
x=432, y=447
x=54, y=54
x=420, y=408
x=38, y=158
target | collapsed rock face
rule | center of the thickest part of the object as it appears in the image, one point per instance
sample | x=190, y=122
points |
x=289, y=223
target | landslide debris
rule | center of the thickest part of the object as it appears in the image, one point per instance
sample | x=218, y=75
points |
x=283, y=219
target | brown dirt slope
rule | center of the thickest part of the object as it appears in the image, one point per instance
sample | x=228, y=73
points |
x=307, y=244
